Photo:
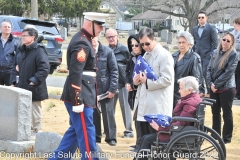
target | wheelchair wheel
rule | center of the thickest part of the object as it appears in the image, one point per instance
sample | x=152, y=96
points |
x=193, y=145
x=217, y=137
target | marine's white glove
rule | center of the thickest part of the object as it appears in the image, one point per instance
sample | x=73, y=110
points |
x=78, y=109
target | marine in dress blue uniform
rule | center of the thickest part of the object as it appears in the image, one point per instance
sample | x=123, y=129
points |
x=79, y=93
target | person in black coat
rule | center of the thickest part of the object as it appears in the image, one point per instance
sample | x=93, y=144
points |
x=221, y=80
x=33, y=71
x=107, y=82
x=186, y=63
x=135, y=49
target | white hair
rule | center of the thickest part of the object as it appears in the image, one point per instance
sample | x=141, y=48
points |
x=190, y=82
x=30, y=26
x=187, y=36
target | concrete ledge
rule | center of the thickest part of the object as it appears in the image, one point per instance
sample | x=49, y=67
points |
x=16, y=147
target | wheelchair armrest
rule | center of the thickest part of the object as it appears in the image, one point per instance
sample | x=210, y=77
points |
x=185, y=119
x=209, y=100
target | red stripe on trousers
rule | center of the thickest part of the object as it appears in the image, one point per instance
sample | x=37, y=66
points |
x=85, y=133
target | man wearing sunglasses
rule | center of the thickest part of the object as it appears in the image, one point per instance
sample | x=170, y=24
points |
x=205, y=41
x=122, y=55
x=79, y=93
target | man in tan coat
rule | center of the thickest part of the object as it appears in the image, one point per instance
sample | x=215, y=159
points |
x=154, y=97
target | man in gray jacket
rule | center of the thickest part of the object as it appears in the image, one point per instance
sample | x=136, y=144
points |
x=122, y=55
x=107, y=82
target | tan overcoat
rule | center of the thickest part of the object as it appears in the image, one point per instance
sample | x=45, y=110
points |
x=158, y=97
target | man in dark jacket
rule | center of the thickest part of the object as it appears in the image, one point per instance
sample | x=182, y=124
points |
x=122, y=55
x=205, y=40
x=33, y=71
x=8, y=52
x=107, y=82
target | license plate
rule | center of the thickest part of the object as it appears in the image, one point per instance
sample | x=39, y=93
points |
x=45, y=42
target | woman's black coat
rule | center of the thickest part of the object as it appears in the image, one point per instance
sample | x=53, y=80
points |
x=189, y=65
x=34, y=67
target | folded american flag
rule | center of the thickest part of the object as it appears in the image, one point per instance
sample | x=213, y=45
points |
x=142, y=66
x=160, y=119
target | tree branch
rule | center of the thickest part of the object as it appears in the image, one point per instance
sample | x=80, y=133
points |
x=222, y=8
x=208, y=4
x=168, y=12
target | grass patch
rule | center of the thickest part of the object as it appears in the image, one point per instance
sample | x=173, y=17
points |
x=50, y=105
x=54, y=90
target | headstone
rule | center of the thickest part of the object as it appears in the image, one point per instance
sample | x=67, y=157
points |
x=166, y=46
x=15, y=113
x=156, y=34
x=63, y=32
x=141, y=27
x=159, y=33
x=170, y=37
x=132, y=32
x=46, y=143
x=111, y=20
x=164, y=35
x=175, y=47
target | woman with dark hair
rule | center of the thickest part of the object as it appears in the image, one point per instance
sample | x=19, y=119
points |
x=135, y=49
x=221, y=80
x=236, y=33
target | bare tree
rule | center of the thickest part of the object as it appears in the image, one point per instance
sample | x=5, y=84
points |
x=187, y=9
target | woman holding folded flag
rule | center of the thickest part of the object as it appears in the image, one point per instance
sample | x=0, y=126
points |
x=135, y=49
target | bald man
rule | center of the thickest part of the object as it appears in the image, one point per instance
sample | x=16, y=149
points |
x=8, y=52
x=122, y=55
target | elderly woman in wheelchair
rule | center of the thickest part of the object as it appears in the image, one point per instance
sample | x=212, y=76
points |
x=186, y=137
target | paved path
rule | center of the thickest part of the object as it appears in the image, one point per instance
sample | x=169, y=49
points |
x=56, y=81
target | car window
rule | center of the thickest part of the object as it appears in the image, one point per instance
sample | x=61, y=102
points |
x=41, y=26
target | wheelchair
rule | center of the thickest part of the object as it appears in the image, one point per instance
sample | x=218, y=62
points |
x=194, y=142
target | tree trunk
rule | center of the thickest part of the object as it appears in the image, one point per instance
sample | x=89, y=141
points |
x=34, y=9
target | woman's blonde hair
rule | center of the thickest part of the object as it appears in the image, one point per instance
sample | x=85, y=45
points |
x=224, y=58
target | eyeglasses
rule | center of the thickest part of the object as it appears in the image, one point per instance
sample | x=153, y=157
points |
x=136, y=45
x=110, y=37
x=25, y=35
x=146, y=44
x=226, y=40
x=201, y=17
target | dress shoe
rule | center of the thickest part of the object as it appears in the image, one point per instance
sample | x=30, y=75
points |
x=236, y=98
x=98, y=141
x=112, y=143
x=134, y=150
x=134, y=146
x=128, y=135
x=226, y=141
